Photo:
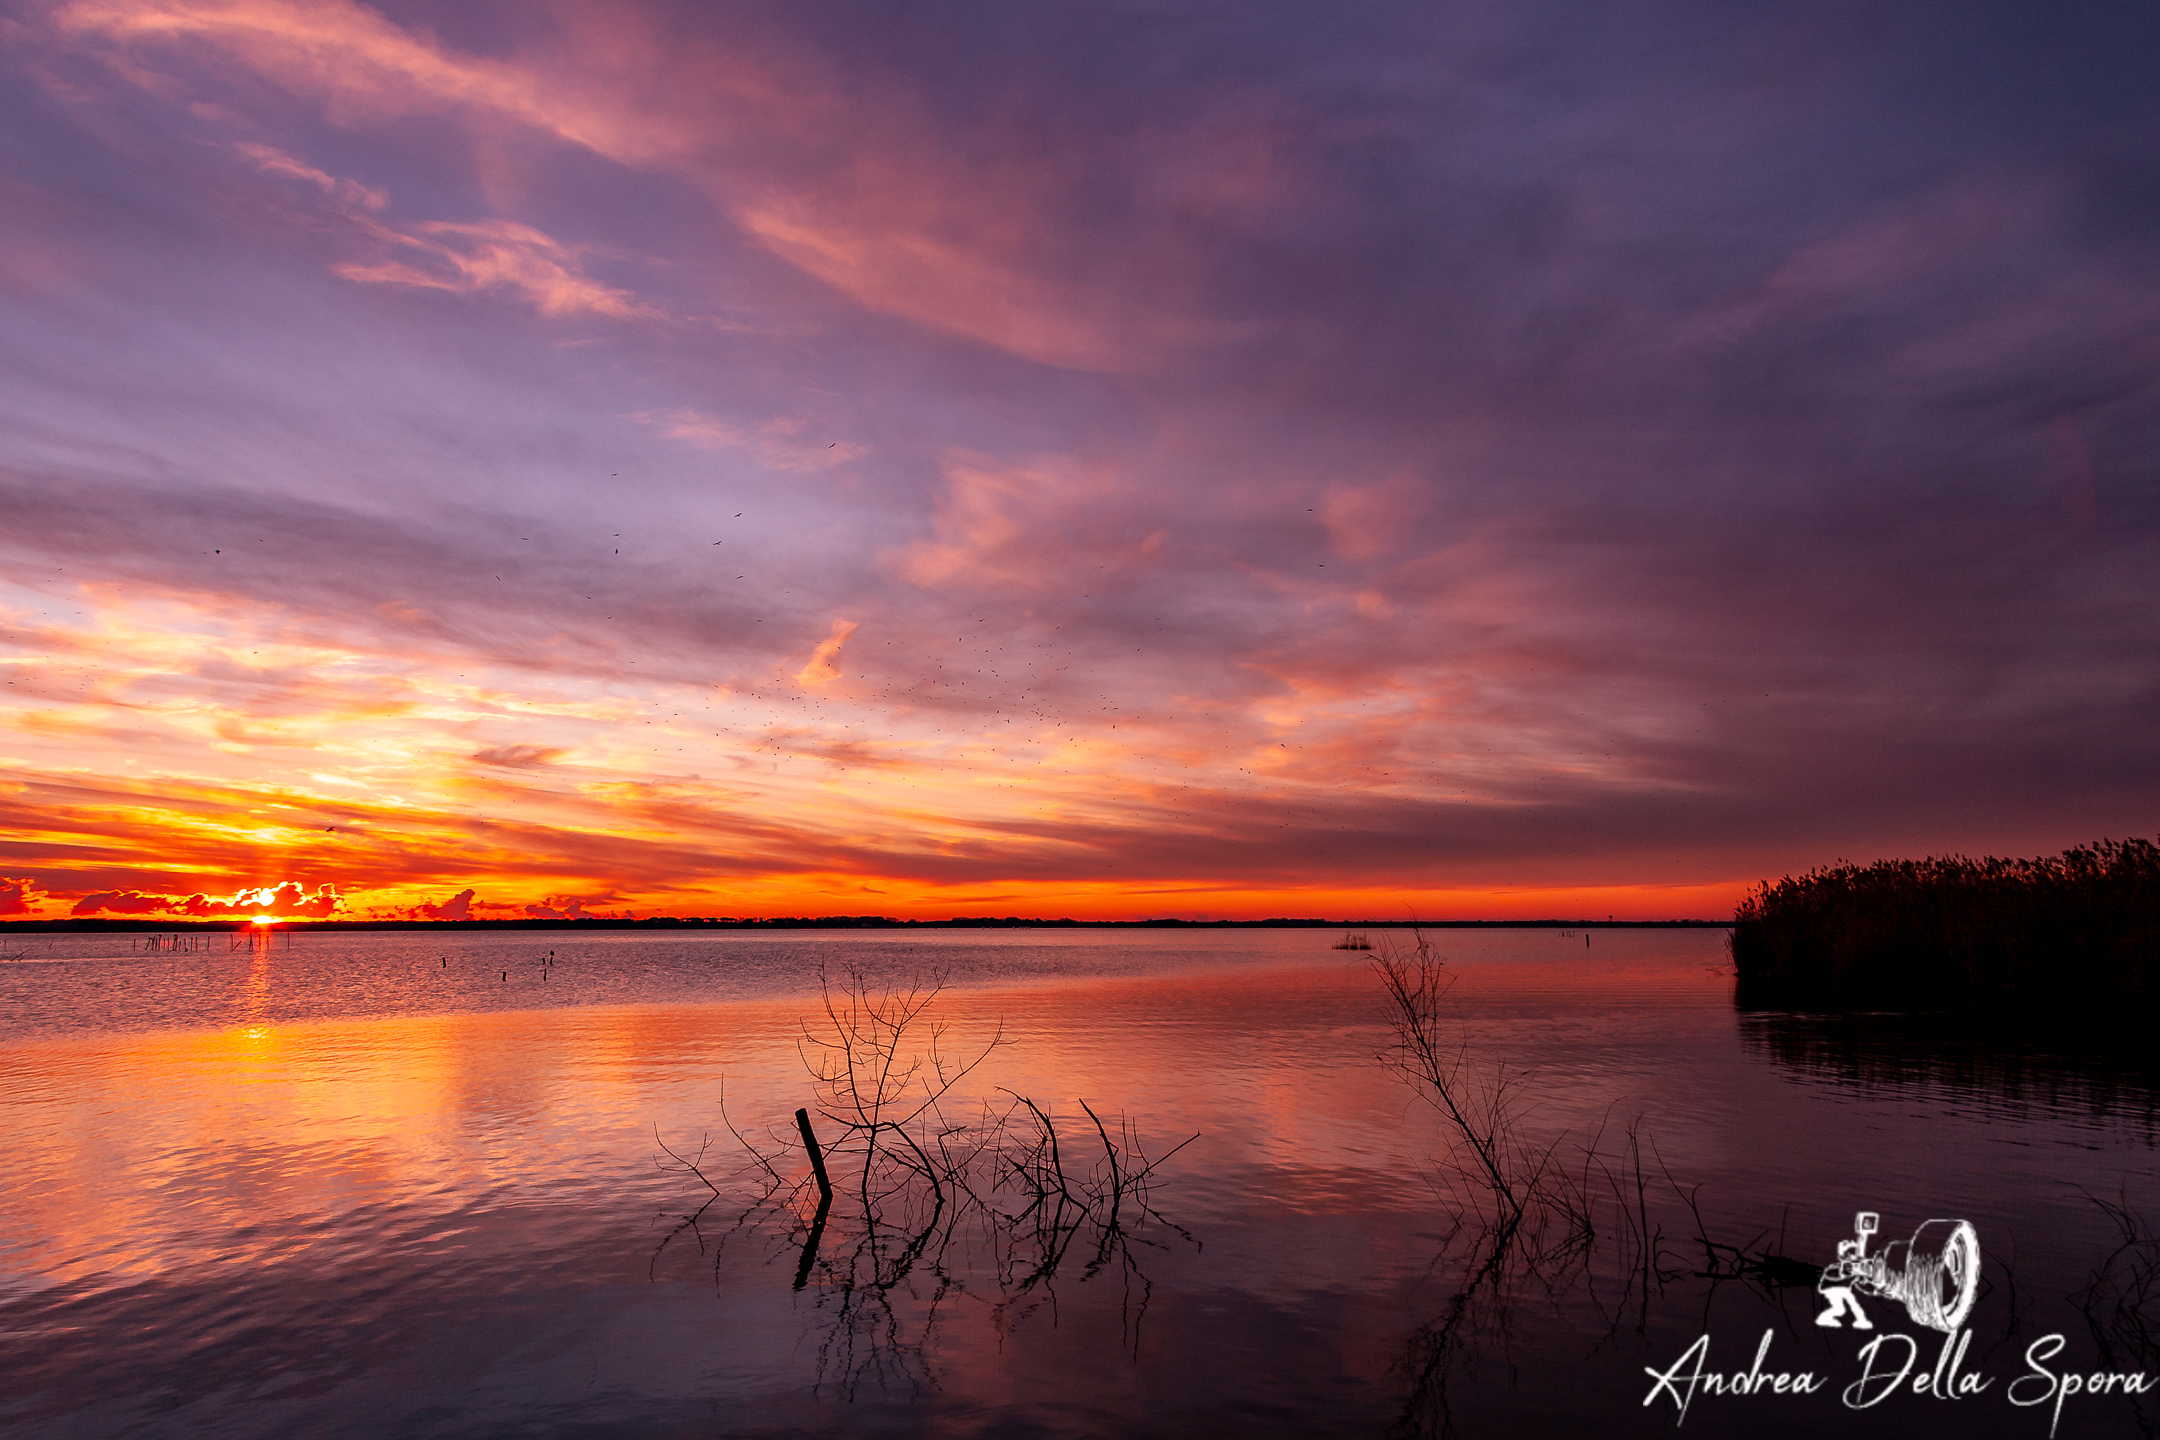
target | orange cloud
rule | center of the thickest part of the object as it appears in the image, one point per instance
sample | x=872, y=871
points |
x=820, y=667
x=978, y=765
x=18, y=897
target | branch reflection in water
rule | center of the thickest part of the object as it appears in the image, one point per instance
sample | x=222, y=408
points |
x=918, y=1195
x=1568, y=1225
x=2121, y=1301
x=1591, y=1232
x=2095, y=1070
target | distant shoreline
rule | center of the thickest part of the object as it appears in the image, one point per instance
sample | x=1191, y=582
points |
x=834, y=922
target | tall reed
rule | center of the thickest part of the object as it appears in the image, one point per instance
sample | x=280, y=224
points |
x=2075, y=934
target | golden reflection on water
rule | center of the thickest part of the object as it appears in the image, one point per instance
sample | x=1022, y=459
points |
x=255, y=993
x=182, y=1141
x=440, y=1167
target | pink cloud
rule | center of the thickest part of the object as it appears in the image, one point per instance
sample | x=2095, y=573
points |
x=274, y=161
x=887, y=255
x=776, y=444
x=1044, y=526
x=494, y=256
x=872, y=202
x=1364, y=521
x=361, y=63
x=497, y=256
x=18, y=897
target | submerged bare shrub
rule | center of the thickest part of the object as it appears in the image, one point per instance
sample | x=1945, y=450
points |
x=1534, y=1222
x=1433, y=1055
x=881, y=1072
x=932, y=1196
x=2121, y=1299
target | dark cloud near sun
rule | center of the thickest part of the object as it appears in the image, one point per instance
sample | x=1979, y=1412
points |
x=517, y=756
x=286, y=900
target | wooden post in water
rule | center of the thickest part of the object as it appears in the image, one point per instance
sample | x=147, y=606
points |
x=817, y=1157
x=824, y=1185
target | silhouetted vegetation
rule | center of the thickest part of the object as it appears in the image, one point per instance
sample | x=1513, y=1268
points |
x=1571, y=1223
x=2078, y=932
x=2121, y=1300
x=935, y=1199
x=1590, y=1234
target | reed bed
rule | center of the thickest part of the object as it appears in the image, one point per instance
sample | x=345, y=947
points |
x=2075, y=935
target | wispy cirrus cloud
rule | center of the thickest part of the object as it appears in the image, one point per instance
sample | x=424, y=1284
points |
x=461, y=257
x=350, y=193
x=779, y=443
x=500, y=256
x=363, y=65
x=868, y=197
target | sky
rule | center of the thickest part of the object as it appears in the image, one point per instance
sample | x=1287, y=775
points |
x=1099, y=460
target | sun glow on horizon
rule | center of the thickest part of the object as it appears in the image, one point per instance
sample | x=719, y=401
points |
x=870, y=794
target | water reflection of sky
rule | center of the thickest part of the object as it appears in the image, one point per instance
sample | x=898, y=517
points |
x=443, y=1222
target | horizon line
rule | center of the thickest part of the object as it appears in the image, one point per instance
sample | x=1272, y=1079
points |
x=830, y=922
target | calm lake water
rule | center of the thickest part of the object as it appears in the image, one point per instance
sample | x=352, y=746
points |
x=386, y=1184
